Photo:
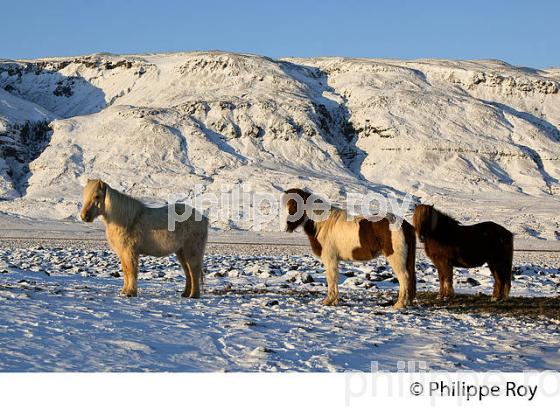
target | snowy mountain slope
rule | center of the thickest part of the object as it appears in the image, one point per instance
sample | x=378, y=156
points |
x=490, y=131
x=23, y=132
x=449, y=132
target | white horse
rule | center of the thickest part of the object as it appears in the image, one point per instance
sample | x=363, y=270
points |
x=133, y=229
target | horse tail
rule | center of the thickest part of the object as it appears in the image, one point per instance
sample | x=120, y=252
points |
x=204, y=242
x=508, y=261
x=411, y=257
x=410, y=238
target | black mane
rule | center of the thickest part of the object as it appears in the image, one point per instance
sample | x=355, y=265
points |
x=446, y=227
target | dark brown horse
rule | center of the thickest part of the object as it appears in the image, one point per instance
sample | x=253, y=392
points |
x=448, y=244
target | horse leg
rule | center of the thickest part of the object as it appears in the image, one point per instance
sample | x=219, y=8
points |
x=497, y=282
x=445, y=272
x=188, y=284
x=504, y=272
x=331, y=267
x=448, y=291
x=441, y=267
x=195, y=269
x=125, y=281
x=129, y=263
x=502, y=282
x=497, y=287
x=407, y=286
x=507, y=284
x=192, y=259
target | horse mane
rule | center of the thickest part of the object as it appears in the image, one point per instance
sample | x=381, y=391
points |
x=445, y=220
x=334, y=215
x=444, y=228
x=120, y=208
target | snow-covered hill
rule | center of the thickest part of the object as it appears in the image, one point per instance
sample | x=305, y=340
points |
x=480, y=139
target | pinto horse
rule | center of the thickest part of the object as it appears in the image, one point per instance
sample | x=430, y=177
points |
x=337, y=236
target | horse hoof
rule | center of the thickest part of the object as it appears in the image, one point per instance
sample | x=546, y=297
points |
x=330, y=302
x=190, y=295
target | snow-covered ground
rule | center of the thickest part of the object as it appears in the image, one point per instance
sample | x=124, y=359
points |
x=261, y=311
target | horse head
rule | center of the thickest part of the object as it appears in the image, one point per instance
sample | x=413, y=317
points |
x=93, y=200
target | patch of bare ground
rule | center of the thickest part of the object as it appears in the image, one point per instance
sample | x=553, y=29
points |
x=532, y=307
x=529, y=307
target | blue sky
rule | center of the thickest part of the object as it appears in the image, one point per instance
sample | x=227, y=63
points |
x=520, y=32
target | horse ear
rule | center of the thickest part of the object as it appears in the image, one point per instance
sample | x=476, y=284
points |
x=433, y=219
x=102, y=186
